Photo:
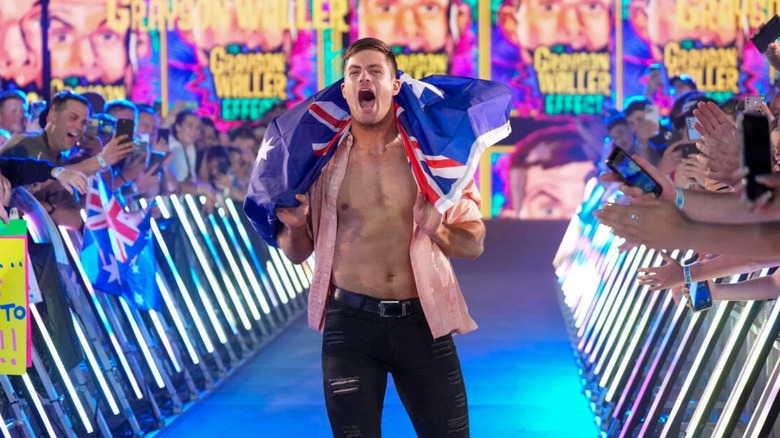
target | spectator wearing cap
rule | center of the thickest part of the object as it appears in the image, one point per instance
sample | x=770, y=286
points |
x=682, y=84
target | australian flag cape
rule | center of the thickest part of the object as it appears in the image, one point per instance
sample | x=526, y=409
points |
x=446, y=122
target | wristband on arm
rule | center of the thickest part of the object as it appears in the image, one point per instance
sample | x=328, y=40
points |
x=101, y=160
x=56, y=172
x=679, y=200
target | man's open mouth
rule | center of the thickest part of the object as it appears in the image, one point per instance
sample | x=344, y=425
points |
x=366, y=98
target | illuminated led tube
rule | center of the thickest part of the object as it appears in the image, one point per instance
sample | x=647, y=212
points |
x=139, y=337
x=165, y=341
x=168, y=300
x=234, y=267
x=101, y=314
x=63, y=371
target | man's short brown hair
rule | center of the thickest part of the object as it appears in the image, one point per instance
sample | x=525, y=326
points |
x=371, y=44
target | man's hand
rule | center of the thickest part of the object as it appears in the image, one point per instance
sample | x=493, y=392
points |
x=719, y=144
x=115, y=150
x=132, y=169
x=295, y=217
x=148, y=183
x=648, y=221
x=72, y=179
x=426, y=216
x=690, y=173
x=666, y=276
x=668, y=192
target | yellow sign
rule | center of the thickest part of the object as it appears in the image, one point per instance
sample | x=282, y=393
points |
x=15, y=341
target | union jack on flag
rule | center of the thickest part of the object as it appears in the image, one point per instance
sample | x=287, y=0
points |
x=118, y=250
x=446, y=122
x=122, y=227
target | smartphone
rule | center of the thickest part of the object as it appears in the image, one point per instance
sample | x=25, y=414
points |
x=93, y=124
x=769, y=34
x=753, y=103
x=756, y=152
x=190, y=105
x=652, y=113
x=125, y=127
x=688, y=149
x=143, y=141
x=156, y=158
x=163, y=133
x=693, y=134
x=36, y=108
x=700, y=296
x=628, y=170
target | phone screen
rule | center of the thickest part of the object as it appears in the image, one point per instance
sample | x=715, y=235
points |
x=756, y=152
x=693, y=134
x=125, y=127
x=701, y=298
x=769, y=33
x=631, y=173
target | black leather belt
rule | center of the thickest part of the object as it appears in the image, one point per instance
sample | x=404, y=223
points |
x=384, y=308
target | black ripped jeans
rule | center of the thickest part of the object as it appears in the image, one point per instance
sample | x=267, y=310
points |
x=359, y=349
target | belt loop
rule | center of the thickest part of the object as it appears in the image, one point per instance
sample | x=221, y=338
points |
x=362, y=302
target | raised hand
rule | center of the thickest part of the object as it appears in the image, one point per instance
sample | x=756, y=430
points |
x=72, y=179
x=115, y=150
x=668, y=275
x=426, y=216
x=295, y=217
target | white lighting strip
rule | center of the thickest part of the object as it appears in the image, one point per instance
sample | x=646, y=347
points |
x=188, y=230
x=282, y=273
x=101, y=313
x=220, y=267
x=250, y=273
x=142, y=342
x=234, y=267
x=33, y=394
x=269, y=266
x=248, y=244
x=163, y=209
x=165, y=341
x=185, y=295
x=62, y=370
x=93, y=363
x=3, y=428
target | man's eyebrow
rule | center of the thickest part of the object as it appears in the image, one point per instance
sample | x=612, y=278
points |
x=61, y=21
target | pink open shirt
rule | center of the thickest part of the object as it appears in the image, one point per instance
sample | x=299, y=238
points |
x=440, y=296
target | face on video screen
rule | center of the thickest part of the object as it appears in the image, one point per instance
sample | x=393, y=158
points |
x=664, y=21
x=82, y=45
x=418, y=25
x=583, y=25
x=268, y=37
x=20, y=42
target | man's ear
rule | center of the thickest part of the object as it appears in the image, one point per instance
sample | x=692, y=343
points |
x=396, y=86
x=507, y=23
x=637, y=16
x=342, y=90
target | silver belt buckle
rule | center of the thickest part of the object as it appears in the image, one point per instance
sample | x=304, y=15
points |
x=383, y=306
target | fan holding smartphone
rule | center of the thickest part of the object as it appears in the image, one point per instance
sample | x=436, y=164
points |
x=631, y=173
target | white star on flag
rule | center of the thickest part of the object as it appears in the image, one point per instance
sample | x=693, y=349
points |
x=265, y=148
x=113, y=269
x=134, y=266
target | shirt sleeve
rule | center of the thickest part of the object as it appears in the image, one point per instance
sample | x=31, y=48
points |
x=468, y=208
x=23, y=171
x=179, y=166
